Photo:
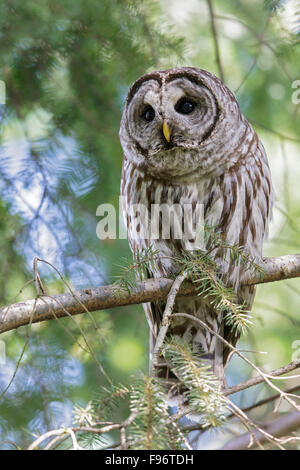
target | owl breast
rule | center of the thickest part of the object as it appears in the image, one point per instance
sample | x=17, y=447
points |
x=166, y=216
x=237, y=203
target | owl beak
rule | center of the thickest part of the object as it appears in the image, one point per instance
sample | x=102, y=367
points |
x=166, y=131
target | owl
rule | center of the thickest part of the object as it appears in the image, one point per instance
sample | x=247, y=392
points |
x=186, y=143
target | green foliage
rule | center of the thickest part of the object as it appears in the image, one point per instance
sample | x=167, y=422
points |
x=237, y=254
x=12, y=265
x=84, y=416
x=150, y=429
x=109, y=399
x=204, y=272
x=202, y=389
x=145, y=262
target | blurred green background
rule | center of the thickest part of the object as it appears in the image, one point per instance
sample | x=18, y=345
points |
x=67, y=66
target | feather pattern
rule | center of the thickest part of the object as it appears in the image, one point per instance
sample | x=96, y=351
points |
x=217, y=162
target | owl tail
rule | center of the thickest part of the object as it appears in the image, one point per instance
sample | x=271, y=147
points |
x=218, y=365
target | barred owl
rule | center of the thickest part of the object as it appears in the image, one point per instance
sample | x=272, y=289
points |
x=186, y=142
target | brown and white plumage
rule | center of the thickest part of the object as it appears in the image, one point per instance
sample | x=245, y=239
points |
x=214, y=158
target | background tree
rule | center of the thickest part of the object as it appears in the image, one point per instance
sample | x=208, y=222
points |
x=67, y=67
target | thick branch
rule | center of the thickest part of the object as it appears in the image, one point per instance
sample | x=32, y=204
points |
x=46, y=308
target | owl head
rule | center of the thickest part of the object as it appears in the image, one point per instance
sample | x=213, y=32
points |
x=179, y=122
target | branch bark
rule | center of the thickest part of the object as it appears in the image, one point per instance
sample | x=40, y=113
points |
x=105, y=297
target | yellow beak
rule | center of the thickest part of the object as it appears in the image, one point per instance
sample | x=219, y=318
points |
x=166, y=132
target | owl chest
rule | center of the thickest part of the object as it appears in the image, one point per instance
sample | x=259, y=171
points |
x=169, y=218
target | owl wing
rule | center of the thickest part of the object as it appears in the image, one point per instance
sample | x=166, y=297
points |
x=247, y=200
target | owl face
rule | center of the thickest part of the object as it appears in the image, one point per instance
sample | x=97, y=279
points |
x=172, y=117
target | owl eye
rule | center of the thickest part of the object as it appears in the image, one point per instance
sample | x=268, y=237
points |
x=148, y=114
x=185, y=106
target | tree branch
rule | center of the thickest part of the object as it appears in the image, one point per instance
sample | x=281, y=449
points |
x=99, y=298
x=215, y=39
x=259, y=379
x=166, y=319
x=185, y=410
x=278, y=428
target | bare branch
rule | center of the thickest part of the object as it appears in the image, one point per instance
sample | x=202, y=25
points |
x=166, y=319
x=62, y=432
x=185, y=410
x=259, y=379
x=265, y=401
x=280, y=427
x=215, y=38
